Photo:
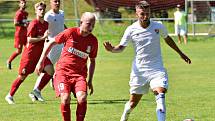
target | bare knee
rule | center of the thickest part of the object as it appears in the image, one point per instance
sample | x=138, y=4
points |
x=81, y=97
x=65, y=98
x=158, y=90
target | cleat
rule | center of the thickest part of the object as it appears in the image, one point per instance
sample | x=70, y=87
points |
x=33, y=97
x=38, y=95
x=52, y=83
x=9, y=65
x=9, y=99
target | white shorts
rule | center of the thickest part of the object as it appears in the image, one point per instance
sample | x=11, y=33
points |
x=55, y=53
x=157, y=79
x=180, y=30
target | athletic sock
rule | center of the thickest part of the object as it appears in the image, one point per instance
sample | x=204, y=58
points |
x=15, y=85
x=126, y=112
x=65, y=111
x=161, y=108
x=13, y=56
x=44, y=81
x=81, y=111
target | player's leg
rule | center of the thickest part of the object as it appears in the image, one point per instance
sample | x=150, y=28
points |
x=65, y=106
x=159, y=85
x=81, y=105
x=177, y=32
x=13, y=56
x=81, y=94
x=130, y=105
x=42, y=81
x=14, y=87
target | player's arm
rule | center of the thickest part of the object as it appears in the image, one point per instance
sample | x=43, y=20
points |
x=39, y=38
x=45, y=52
x=91, y=73
x=114, y=49
x=172, y=44
x=19, y=23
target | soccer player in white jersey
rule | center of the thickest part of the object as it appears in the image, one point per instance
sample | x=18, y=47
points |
x=147, y=67
x=55, y=18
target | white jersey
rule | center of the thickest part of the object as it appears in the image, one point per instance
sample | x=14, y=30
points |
x=56, y=25
x=146, y=42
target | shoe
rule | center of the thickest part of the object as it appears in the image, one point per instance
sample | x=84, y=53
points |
x=9, y=99
x=33, y=97
x=38, y=95
x=9, y=65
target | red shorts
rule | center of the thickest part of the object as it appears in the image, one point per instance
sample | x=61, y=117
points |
x=26, y=68
x=68, y=84
x=19, y=41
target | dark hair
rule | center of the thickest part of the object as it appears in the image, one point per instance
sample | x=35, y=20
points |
x=142, y=4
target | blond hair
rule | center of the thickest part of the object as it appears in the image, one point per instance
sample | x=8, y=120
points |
x=42, y=3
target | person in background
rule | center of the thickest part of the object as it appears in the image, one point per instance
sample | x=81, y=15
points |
x=147, y=67
x=71, y=69
x=20, y=37
x=55, y=18
x=36, y=35
x=180, y=18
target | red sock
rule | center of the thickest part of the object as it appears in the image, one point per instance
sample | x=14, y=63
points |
x=65, y=111
x=13, y=56
x=81, y=111
x=15, y=85
x=44, y=81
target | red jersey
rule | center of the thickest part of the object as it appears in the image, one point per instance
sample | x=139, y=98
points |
x=21, y=16
x=77, y=49
x=33, y=51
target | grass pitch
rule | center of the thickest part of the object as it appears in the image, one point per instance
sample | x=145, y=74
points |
x=191, y=91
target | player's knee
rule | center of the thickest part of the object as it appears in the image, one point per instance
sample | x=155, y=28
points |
x=133, y=104
x=81, y=97
x=49, y=70
x=65, y=98
x=19, y=51
x=158, y=90
x=21, y=77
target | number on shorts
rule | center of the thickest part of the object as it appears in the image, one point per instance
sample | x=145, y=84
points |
x=61, y=86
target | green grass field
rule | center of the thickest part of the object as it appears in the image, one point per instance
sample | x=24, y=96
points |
x=191, y=91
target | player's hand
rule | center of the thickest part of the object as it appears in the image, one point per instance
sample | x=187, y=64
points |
x=108, y=46
x=90, y=86
x=185, y=58
x=45, y=35
x=39, y=68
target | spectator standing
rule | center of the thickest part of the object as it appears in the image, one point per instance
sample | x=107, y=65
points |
x=180, y=18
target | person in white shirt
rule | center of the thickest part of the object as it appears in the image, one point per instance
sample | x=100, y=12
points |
x=180, y=18
x=55, y=18
x=147, y=67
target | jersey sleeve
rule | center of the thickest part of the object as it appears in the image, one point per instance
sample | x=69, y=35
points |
x=46, y=17
x=93, y=53
x=32, y=30
x=126, y=37
x=164, y=32
x=63, y=36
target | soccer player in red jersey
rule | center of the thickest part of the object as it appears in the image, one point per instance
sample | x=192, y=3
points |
x=36, y=35
x=71, y=69
x=20, y=37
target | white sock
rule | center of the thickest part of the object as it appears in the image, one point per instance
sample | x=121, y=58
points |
x=126, y=112
x=38, y=80
x=161, y=108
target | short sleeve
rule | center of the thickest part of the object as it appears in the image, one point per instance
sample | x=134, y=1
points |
x=63, y=36
x=32, y=29
x=93, y=53
x=126, y=37
x=164, y=32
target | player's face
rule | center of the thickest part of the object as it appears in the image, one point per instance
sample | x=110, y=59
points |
x=55, y=4
x=143, y=14
x=87, y=26
x=22, y=4
x=40, y=11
